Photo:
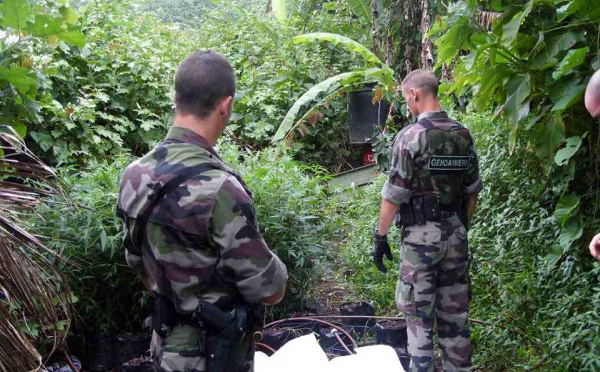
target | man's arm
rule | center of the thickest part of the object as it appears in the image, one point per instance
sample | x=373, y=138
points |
x=395, y=192
x=386, y=216
x=275, y=298
x=595, y=247
x=133, y=256
x=259, y=274
x=471, y=206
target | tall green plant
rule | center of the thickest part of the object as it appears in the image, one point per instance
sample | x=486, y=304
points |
x=375, y=71
x=542, y=307
x=85, y=231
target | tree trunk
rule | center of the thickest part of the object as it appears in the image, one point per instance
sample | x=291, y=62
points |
x=376, y=35
x=427, y=58
x=402, y=20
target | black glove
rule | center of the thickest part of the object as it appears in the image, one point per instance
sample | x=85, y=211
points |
x=381, y=247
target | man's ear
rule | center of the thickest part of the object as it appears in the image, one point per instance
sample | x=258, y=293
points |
x=226, y=106
x=415, y=93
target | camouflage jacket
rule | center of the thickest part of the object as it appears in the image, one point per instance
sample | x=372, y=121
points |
x=202, y=241
x=441, y=160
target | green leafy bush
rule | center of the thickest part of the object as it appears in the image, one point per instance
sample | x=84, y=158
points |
x=115, y=92
x=27, y=30
x=82, y=228
x=540, y=297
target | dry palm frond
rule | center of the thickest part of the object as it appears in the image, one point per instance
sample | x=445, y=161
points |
x=34, y=299
x=486, y=20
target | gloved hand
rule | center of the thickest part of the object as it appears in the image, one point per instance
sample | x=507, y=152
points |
x=381, y=247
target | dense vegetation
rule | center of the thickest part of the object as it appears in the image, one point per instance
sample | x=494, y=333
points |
x=90, y=87
x=115, y=92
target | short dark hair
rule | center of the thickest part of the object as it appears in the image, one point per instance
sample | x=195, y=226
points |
x=202, y=79
x=422, y=79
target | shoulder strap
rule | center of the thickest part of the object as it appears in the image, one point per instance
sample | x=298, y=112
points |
x=459, y=125
x=170, y=186
x=425, y=123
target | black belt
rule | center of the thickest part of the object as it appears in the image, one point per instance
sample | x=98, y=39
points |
x=447, y=211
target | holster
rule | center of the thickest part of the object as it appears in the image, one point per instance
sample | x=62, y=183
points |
x=405, y=216
x=226, y=337
x=229, y=343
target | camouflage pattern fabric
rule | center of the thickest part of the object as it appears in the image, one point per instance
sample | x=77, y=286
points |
x=202, y=241
x=414, y=170
x=181, y=351
x=434, y=286
x=434, y=270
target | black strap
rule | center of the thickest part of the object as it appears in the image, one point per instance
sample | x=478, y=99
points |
x=170, y=186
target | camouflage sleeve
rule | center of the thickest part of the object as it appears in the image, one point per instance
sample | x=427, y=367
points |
x=132, y=256
x=472, y=183
x=397, y=187
x=258, y=272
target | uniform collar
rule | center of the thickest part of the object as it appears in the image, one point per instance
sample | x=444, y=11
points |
x=433, y=115
x=185, y=135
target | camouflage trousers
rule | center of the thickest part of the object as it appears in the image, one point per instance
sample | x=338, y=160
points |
x=180, y=351
x=434, y=286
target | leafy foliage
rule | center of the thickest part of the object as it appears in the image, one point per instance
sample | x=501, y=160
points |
x=95, y=99
x=534, y=60
x=24, y=27
x=188, y=12
x=361, y=9
x=528, y=274
x=84, y=229
x=115, y=93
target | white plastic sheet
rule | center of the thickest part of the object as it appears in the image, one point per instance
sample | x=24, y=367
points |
x=304, y=354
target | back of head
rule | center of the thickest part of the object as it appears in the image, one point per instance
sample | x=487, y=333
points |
x=592, y=95
x=201, y=81
x=423, y=80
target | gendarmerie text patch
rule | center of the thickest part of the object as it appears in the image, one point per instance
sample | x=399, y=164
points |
x=448, y=163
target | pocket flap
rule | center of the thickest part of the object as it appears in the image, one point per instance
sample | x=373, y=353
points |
x=422, y=236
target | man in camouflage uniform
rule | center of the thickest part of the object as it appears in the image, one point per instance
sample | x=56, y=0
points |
x=434, y=176
x=201, y=241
